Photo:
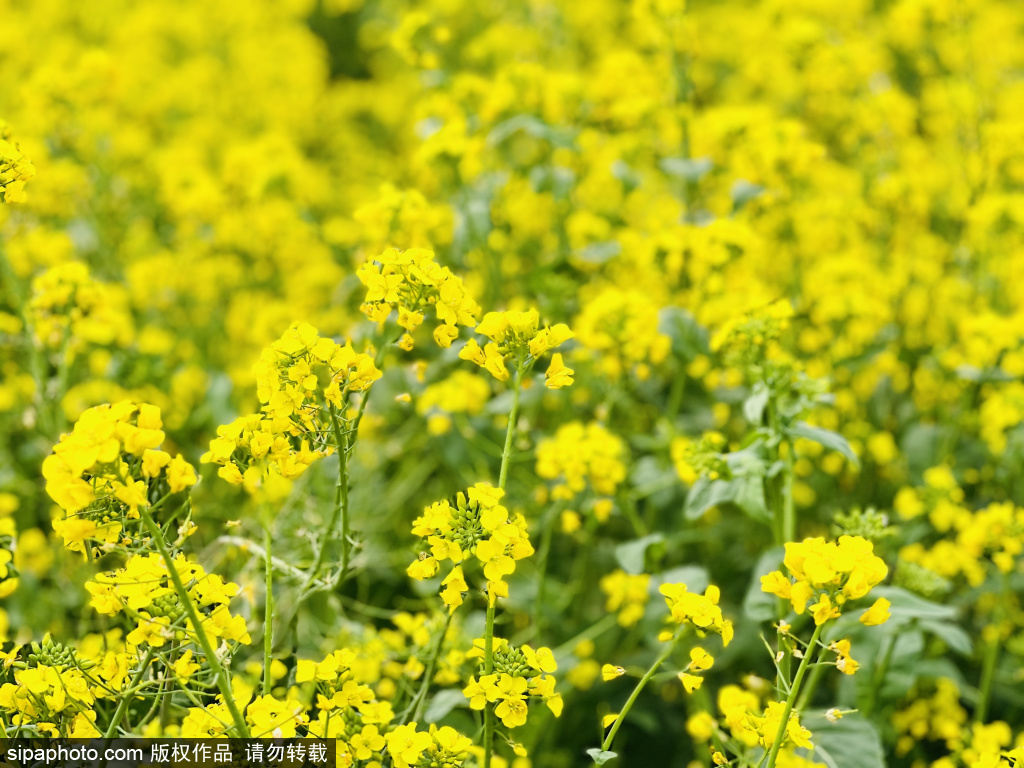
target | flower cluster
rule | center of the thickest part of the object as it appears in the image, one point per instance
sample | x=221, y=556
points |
x=476, y=524
x=766, y=726
x=627, y=595
x=516, y=336
x=580, y=454
x=829, y=573
x=15, y=167
x=304, y=381
x=108, y=467
x=619, y=329
x=519, y=674
x=409, y=748
x=412, y=281
x=144, y=591
x=69, y=307
x=700, y=611
x=700, y=458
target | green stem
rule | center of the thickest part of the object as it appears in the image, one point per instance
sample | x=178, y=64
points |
x=988, y=671
x=788, y=508
x=489, y=669
x=547, y=530
x=513, y=417
x=419, y=702
x=268, y=611
x=506, y=456
x=340, y=511
x=219, y=672
x=670, y=646
x=793, y=693
x=879, y=674
x=122, y=707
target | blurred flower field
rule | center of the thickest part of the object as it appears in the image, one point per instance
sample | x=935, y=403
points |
x=541, y=383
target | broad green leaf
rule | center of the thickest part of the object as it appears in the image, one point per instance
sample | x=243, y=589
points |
x=826, y=437
x=745, y=491
x=443, y=702
x=600, y=756
x=952, y=635
x=688, y=169
x=906, y=605
x=753, y=406
x=852, y=742
x=705, y=494
x=631, y=554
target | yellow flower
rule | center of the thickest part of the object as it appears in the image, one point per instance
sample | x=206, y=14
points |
x=877, y=614
x=558, y=374
x=610, y=672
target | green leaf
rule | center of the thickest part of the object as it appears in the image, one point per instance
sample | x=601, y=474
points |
x=745, y=491
x=705, y=494
x=599, y=253
x=688, y=169
x=826, y=437
x=750, y=497
x=852, y=742
x=631, y=554
x=600, y=756
x=753, y=406
x=743, y=191
x=442, y=703
x=950, y=634
x=532, y=126
x=907, y=606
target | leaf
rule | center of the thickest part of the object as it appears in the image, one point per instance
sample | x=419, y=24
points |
x=759, y=605
x=600, y=756
x=705, y=494
x=689, y=338
x=952, y=635
x=826, y=437
x=753, y=406
x=531, y=126
x=688, y=169
x=599, y=253
x=907, y=606
x=743, y=191
x=443, y=702
x=631, y=554
x=750, y=498
x=852, y=742
x=745, y=491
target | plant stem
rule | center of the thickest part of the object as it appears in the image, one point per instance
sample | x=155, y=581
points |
x=122, y=707
x=793, y=692
x=340, y=511
x=219, y=672
x=428, y=674
x=506, y=456
x=788, y=508
x=988, y=671
x=879, y=674
x=268, y=611
x=547, y=530
x=489, y=669
x=670, y=646
x=513, y=417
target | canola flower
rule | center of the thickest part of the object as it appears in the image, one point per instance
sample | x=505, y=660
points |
x=786, y=241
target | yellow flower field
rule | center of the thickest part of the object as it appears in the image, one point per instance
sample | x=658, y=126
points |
x=544, y=383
